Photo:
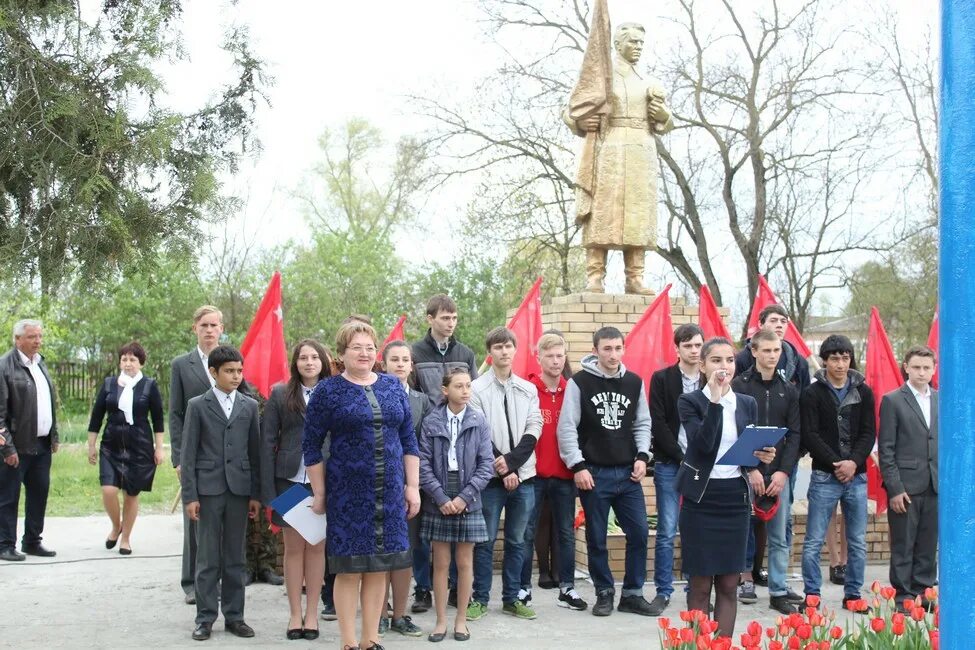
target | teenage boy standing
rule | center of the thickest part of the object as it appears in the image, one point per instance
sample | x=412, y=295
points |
x=604, y=438
x=510, y=406
x=793, y=368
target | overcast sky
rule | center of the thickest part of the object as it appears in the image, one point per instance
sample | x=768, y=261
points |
x=332, y=60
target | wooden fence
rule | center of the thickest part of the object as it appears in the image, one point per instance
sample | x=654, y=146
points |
x=77, y=382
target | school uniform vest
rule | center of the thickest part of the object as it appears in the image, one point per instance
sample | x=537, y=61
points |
x=608, y=411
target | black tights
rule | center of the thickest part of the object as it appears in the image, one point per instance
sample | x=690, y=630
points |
x=725, y=599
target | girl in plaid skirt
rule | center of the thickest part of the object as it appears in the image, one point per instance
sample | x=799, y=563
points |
x=456, y=463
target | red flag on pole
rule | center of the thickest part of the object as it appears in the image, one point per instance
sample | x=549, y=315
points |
x=528, y=328
x=398, y=333
x=709, y=318
x=933, y=336
x=763, y=299
x=264, y=351
x=883, y=374
x=650, y=344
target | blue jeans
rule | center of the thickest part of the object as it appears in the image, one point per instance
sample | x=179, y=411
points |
x=561, y=494
x=778, y=547
x=824, y=492
x=615, y=490
x=668, y=509
x=518, y=506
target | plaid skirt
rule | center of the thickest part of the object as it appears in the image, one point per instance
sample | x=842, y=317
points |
x=465, y=527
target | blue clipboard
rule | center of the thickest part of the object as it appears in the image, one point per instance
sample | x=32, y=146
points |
x=753, y=438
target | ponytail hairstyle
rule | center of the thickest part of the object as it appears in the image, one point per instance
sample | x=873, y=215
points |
x=710, y=344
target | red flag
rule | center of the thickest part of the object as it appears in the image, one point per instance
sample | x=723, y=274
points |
x=398, y=333
x=265, y=354
x=763, y=299
x=708, y=316
x=933, y=336
x=650, y=344
x=527, y=326
x=883, y=374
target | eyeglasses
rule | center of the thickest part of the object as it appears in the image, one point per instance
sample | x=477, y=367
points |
x=358, y=349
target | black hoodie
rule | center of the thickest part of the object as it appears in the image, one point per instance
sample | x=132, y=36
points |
x=832, y=431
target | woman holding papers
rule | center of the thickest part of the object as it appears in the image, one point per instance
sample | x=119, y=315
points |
x=714, y=516
x=282, y=467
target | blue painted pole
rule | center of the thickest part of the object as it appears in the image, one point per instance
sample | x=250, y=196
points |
x=957, y=314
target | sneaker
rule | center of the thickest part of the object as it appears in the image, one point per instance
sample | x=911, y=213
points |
x=525, y=596
x=746, y=593
x=383, y=625
x=760, y=578
x=658, y=605
x=452, y=597
x=519, y=609
x=569, y=598
x=422, y=601
x=782, y=605
x=405, y=626
x=476, y=610
x=794, y=598
x=837, y=574
x=634, y=605
x=604, y=604
x=328, y=613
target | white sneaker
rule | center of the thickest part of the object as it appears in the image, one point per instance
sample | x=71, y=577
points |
x=525, y=595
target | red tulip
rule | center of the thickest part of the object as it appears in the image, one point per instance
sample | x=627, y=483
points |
x=703, y=642
x=931, y=593
x=876, y=603
x=748, y=640
x=836, y=632
x=810, y=611
x=755, y=629
x=784, y=629
x=812, y=600
x=664, y=623
x=796, y=619
x=699, y=615
x=687, y=635
x=816, y=620
x=897, y=627
x=908, y=604
x=775, y=645
x=794, y=643
x=888, y=593
x=770, y=632
x=878, y=624
x=804, y=631
x=935, y=637
x=875, y=587
x=824, y=645
x=861, y=605
x=686, y=616
x=918, y=613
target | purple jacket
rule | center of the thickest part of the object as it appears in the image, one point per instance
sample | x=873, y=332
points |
x=475, y=460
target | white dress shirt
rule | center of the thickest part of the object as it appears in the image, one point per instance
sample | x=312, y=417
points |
x=729, y=433
x=302, y=475
x=205, y=358
x=924, y=401
x=455, y=422
x=45, y=412
x=226, y=400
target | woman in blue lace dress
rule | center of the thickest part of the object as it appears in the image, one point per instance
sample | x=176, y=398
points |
x=370, y=484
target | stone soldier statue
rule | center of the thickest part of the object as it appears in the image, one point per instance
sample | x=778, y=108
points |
x=618, y=109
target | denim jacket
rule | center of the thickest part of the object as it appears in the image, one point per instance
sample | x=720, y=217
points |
x=475, y=459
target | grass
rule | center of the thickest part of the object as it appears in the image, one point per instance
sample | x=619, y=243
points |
x=75, y=491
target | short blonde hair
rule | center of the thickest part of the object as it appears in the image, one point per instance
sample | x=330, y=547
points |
x=348, y=331
x=206, y=310
x=549, y=341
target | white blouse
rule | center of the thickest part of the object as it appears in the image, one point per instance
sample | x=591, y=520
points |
x=729, y=434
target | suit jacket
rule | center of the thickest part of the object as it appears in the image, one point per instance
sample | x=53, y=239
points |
x=666, y=387
x=420, y=405
x=281, y=430
x=221, y=454
x=188, y=379
x=703, y=421
x=908, y=448
x=18, y=405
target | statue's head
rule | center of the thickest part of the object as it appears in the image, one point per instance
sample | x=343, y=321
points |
x=628, y=40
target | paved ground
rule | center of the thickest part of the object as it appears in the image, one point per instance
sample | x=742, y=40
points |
x=89, y=597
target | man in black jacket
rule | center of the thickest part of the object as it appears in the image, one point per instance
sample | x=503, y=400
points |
x=666, y=386
x=778, y=406
x=793, y=368
x=839, y=430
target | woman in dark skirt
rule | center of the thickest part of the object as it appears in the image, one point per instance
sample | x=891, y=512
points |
x=130, y=449
x=371, y=478
x=283, y=466
x=714, y=516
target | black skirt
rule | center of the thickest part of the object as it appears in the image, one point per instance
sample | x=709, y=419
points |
x=714, y=532
x=126, y=459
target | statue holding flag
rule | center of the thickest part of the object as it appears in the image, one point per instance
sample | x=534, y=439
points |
x=617, y=109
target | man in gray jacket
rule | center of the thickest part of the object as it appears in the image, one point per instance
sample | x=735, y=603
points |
x=908, y=449
x=510, y=406
x=604, y=438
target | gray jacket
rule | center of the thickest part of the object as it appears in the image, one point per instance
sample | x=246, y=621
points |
x=907, y=447
x=18, y=406
x=568, y=430
x=221, y=454
x=281, y=430
x=524, y=423
x=188, y=379
x=475, y=460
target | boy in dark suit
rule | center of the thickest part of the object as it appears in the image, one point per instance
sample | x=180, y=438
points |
x=221, y=487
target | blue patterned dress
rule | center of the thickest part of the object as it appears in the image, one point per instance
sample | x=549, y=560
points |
x=370, y=430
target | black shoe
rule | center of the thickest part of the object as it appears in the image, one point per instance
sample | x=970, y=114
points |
x=310, y=635
x=124, y=551
x=248, y=578
x=190, y=598
x=658, y=605
x=375, y=646
x=635, y=605
x=452, y=598
x=837, y=574
x=782, y=605
x=547, y=584
x=760, y=578
x=328, y=613
x=239, y=628
x=10, y=554
x=295, y=634
x=462, y=636
x=422, y=601
x=38, y=550
x=604, y=604
x=270, y=577
x=202, y=631
x=110, y=543
x=794, y=598
x=436, y=637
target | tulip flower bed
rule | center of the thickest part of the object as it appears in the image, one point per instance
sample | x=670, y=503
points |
x=882, y=627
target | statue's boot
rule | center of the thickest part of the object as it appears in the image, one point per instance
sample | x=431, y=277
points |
x=595, y=270
x=634, y=261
